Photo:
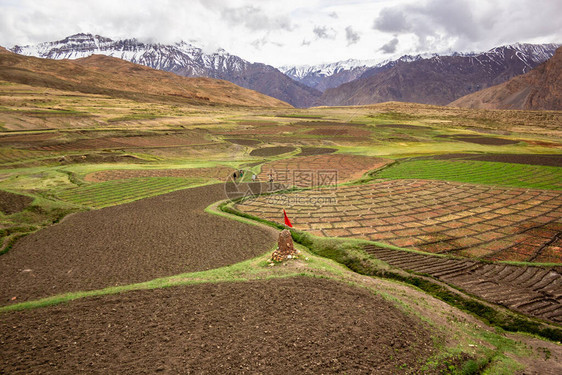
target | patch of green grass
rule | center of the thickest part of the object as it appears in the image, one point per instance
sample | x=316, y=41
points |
x=110, y=193
x=393, y=116
x=41, y=213
x=43, y=112
x=478, y=172
x=10, y=155
x=296, y=115
x=135, y=116
x=9, y=236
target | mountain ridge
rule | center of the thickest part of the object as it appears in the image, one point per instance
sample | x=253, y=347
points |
x=180, y=58
x=539, y=89
x=440, y=79
x=425, y=78
x=100, y=74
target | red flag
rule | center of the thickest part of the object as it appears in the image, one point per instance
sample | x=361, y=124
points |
x=287, y=221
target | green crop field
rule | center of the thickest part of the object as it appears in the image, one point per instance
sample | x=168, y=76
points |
x=110, y=193
x=10, y=155
x=478, y=172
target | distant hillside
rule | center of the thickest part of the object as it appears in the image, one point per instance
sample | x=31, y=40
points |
x=540, y=89
x=115, y=77
x=440, y=79
x=183, y=59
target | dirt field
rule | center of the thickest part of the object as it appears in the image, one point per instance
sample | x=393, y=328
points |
x=125, y=142
x=481, y=140
x=252, y=129
x=271, y=151
x=139, y=241
x=308, y=151
x=535, y=291
x=25, y=139
x=220, y=173
x=434, y=216
x=11, y=203
x=315, y=170
x=288, y=326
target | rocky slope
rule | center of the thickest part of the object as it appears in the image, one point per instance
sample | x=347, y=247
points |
x=183, y=59
x=540, y=89
x=326, y=76
x=439, y=79
x=99, y=74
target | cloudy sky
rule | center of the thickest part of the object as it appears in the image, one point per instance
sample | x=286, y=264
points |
x=280, y=32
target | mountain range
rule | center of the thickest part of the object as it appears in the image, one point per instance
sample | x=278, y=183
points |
x=429, y=79
x=439, y=79
x=327, y=76
x=183, y=59
x=105, y=75
x=539, y=89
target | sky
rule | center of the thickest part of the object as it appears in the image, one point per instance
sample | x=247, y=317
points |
x=292, y=32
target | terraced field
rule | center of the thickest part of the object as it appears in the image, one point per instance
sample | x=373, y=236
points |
x=471, y=220
x=535, y=291
x=9, y=155
x=219, y=173
x=124, y=142
x=110, y=193
x=317, y=170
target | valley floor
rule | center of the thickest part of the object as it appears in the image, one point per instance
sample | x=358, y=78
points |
x=430, y=238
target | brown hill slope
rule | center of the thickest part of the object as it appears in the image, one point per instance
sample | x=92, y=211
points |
x=118, y=78
x=540, y=89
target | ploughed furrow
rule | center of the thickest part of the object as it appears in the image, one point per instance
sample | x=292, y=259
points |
x=525, y=276
x=536, y=279
x=422, y=265
x=433, y=268
x=404, y=259
x=549, y=278
x=515, y=275
x=454, y=270
x=532, y=290
x=555, y=316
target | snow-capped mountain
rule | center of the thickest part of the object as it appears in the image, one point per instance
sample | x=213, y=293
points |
x=327, y=76
x=345, y=82
x=539, y=89
x=181, y=58
x=438, y=79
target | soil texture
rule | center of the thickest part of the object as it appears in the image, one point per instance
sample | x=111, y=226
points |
x=283, y=326
x=271, y=151
x=134, y=242
x=307, y=151
x=11, y=203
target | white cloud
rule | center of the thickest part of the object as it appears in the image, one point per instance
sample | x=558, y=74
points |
x=477, y=24
x=324, y=32
x=292, y=31
x=351, y=36
x=390, y=47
